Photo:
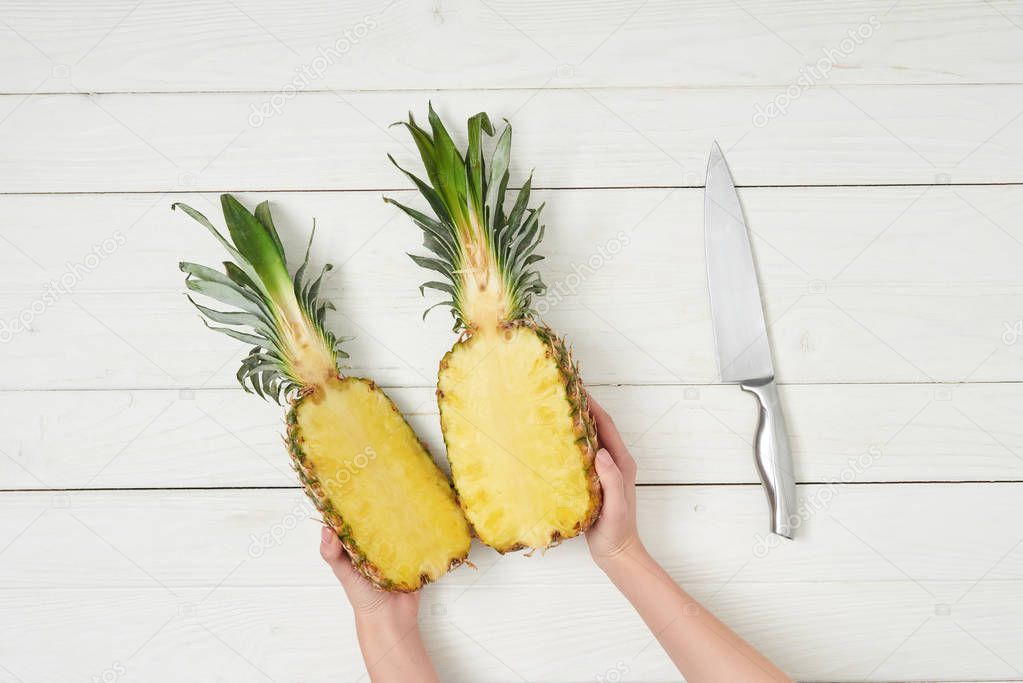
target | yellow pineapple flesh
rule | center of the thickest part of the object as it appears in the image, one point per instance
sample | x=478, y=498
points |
x=513, y=440
x=393, y=509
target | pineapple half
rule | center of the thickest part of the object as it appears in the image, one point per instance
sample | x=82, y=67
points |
x=358, y=460
x=520, y=439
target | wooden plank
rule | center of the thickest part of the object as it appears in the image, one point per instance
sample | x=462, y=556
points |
x=873, y=587
x=192, y=539
x=860, y=284
x=678, y=434
x=259, y=45
x=618, y=137
x=818, y=632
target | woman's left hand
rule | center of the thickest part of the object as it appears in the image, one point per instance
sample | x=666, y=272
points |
x=368, y=602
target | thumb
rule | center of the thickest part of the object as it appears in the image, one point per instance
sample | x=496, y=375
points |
x=334, y=554
x=613, y=484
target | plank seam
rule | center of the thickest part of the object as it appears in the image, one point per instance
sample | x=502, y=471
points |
x=546, y=188
x=695, y=484
x=207, y=388
x=504, y=89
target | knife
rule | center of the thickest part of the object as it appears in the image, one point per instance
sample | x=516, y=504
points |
x=743, y=350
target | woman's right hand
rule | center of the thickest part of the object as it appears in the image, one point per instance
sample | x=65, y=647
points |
x=614, y=533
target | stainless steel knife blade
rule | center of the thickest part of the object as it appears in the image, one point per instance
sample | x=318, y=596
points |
x=736, y=309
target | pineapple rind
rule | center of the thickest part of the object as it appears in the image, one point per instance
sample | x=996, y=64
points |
x=332, y=518
x=582, y=422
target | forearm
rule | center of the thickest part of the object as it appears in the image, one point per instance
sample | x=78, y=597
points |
x=394, y=653
x=702, y=648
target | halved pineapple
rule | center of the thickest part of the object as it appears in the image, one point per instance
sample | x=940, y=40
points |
x=359, y=461
x=520, y=439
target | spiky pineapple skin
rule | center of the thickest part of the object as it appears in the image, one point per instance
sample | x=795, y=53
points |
x=582, y=422
x=314, y=491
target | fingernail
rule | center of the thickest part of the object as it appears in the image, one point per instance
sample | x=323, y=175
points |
x=604, y=457
x=326, y=534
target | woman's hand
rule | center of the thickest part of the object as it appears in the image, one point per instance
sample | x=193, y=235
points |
x=387, y=623
x=702, y=647
x=615, y=532
x=368, y=602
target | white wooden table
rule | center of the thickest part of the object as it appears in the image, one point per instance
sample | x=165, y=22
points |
x=150, y=529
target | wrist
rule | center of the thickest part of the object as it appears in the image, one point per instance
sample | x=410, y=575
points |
x=627, y=552
x=383, y=621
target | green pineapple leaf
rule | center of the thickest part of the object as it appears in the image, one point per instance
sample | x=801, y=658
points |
x=273, y=311
x=470, y=236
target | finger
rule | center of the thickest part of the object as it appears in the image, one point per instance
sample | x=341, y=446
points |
x=335, y=555
x=595, y=407
x=597, y=410
x=607, y=434
x=613, y=484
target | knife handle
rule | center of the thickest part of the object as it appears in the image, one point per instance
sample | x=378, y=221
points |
x=774, y=462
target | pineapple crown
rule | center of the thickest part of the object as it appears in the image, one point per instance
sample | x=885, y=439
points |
x=485, y=254
x=292, y=350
